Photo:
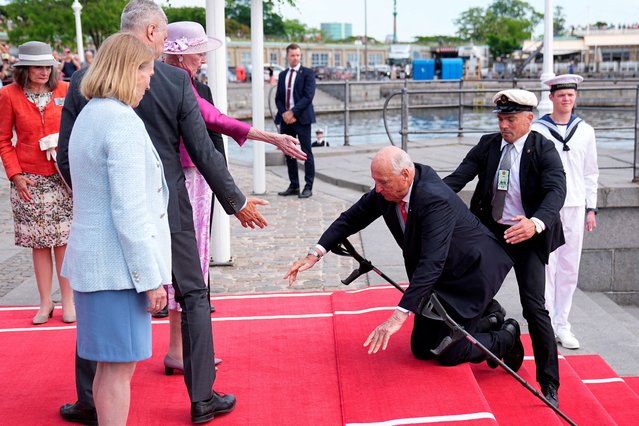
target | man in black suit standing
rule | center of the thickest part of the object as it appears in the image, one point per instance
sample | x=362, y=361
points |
x=295, y=114
x=521, y=188
x=446, y=250
x=170, y=112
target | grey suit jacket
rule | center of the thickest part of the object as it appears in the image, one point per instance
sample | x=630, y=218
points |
x=170, y=112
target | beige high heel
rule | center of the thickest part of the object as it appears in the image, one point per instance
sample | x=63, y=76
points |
x=42, y=318
x=69, y=319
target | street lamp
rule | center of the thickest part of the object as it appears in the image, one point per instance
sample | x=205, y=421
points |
x=358, y=43
x=77, y=8
x=545, y=106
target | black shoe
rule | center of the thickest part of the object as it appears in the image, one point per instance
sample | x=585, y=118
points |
x=493, y=318
x=204, y=411
x=290, y=191
x=76, y=413
x=514, y=358
x=306, y=193
x=550, y=393
x=162, y=314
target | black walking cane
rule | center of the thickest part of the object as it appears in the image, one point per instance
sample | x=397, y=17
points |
x=435, y=310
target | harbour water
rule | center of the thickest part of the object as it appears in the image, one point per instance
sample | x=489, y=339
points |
x=368, y=127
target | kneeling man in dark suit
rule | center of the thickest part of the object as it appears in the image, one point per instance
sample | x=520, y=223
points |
x=446, y=250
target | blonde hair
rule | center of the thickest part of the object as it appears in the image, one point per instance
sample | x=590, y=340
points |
x=113, y=73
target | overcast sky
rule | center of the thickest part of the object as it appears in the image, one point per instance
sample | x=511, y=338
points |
x=428, y=17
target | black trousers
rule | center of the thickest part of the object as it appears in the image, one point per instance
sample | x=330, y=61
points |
x=530, y=271
x=303, y=133
x=428, y=333
x=197, y=337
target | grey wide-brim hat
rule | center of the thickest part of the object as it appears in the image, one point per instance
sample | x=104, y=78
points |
x=35, y=54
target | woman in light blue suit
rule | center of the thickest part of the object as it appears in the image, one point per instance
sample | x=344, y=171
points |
x=119, y=251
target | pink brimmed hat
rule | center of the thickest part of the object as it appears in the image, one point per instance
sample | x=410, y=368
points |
x=187, y=37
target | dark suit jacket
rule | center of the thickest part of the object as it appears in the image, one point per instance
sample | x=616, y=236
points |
x=170, y=112
x=303, y=93
x=445, y=247
x=542, y=180
x=205, y=93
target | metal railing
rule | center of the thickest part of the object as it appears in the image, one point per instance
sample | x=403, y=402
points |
x=461, y=130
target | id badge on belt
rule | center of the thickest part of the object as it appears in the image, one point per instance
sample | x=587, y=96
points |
x=503, y=176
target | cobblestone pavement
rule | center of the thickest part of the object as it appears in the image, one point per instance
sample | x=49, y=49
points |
x=262, y=257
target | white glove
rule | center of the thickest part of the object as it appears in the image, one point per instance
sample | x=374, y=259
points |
x=49, y=144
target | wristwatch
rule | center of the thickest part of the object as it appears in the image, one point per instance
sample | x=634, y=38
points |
x=592, y=209
x=314, y=252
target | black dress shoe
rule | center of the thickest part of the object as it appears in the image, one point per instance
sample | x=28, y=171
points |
x=289, y=191
x=162, y=314
x=76, y=413
x=514, y=358
x=550, y=393
x=204, y=411
x=306, y=193
x=492, y=318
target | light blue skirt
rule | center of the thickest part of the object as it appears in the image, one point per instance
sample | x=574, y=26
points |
x=113, y=325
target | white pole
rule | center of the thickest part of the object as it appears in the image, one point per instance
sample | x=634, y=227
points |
x=257, y=86
x=545, y=106
x=216, y=71
x=77, y=9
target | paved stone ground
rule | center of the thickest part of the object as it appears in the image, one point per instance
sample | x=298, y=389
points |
x=262, y=257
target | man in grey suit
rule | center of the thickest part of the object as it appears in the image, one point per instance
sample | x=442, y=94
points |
x=170, y=112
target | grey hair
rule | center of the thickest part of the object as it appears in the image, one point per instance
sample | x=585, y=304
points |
x=400, y=160
x=138, y=14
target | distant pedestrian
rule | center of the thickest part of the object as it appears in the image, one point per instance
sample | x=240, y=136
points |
x=319, y=139
x=295, y=114
x=88, y=59
x=70, y=64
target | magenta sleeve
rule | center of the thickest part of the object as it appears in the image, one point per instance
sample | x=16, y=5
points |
x=221, y=123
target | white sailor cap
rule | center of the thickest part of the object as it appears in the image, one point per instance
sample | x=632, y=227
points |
x=514, y=100
x=564, y=81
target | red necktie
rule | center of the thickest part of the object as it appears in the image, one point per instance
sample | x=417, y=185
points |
x=402, y=210
x=288, y=88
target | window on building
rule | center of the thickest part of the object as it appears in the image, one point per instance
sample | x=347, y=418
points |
x=319, y=59
x=273, y=58
x=246, y=58
x=615, y=54
x=375, y=59
x=338, y=59
x=352, y=60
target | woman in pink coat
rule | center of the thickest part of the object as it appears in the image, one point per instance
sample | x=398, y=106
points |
x=186, y=48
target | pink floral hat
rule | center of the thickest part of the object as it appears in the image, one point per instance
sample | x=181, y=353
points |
x=188, y=37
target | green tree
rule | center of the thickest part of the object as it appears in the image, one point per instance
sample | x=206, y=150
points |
x=559, y=22
x=195, y=14
x=240, y=11
x=295, y=30
x=470, y=24
x=52, y=21
x=503, y=25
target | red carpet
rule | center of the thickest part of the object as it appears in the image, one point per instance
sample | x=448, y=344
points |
x=297, y=359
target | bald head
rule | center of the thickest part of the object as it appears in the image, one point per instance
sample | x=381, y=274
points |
x=393, y=172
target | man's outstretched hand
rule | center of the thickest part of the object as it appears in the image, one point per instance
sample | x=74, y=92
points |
x=249, y=216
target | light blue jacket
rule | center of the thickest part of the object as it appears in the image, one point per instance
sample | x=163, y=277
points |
x=120, y=236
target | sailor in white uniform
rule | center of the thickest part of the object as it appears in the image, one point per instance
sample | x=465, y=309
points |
x=575, y=141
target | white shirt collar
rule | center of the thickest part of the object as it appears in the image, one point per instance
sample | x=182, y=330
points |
x=296, y=68
x=519, y=143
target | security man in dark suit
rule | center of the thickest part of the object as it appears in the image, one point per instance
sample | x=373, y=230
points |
x=295, y=114
x=170, y=112
x=521, y=188
x=446, y=250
